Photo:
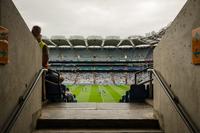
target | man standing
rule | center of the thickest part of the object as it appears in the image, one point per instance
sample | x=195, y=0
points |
x=36, y=31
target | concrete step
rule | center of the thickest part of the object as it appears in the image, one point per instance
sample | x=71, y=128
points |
x=100, y=131
x=97, y=116
x=97, y=123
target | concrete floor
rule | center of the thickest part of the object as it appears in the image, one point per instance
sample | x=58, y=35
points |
x=97, y=111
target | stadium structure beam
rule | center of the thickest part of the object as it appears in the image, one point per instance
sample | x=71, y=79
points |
x=103, y=42
x=53, y=43
x=86, y=43
x=69, y=43
x=132, y=43
x=120, y=42
x=44, y=38
x=143, y=41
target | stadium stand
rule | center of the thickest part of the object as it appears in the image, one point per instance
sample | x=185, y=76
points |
x=120, y=78
x=95, y=60
x=85, y=78
x=98, y=54
x=69, y=78
x=103, y=78
x=130, y=78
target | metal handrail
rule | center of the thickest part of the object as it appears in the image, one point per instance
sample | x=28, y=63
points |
x=144, y=82
x=146, y=69
x=143, y=70
x=176, y=103
x=21, y=104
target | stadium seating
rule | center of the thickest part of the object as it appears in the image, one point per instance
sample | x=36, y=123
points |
x=97, y=54
x=120, y=78
x=69, y=78
x=85, y=78
x=104, y=78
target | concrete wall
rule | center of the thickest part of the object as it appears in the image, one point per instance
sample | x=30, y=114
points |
x=172, y=58
x=25, y=60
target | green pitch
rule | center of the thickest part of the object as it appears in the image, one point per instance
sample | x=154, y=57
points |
x=98, y=93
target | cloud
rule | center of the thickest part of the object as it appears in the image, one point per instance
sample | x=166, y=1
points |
x=99, y=17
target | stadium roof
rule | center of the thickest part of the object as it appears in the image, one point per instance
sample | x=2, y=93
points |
x=77, y=41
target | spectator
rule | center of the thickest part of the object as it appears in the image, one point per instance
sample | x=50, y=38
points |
x=75, y=100
x=69, y=97
x=36, y=31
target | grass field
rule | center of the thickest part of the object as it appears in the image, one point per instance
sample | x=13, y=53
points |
x=98, y=93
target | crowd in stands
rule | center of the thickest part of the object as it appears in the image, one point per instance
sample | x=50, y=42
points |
x=102, y=78
x=142, y=77
x=130, y=78
x=120, y=78
x=85, y=78
x=69, y=78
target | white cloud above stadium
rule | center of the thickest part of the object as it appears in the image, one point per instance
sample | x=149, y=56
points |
x=99, y=17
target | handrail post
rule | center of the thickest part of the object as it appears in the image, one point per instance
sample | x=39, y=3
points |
x=146, y=69
x=150, y=84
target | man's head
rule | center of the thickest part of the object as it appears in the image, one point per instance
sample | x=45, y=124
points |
x=36, y=31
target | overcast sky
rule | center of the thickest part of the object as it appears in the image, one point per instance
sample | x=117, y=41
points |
x=99, y=17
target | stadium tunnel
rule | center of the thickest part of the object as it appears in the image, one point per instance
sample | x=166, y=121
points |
x=176, y=95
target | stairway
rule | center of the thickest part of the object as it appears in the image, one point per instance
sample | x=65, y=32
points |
x=97, y=117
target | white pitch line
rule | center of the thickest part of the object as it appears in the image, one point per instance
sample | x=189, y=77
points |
x=108, y=94
x=101, y=93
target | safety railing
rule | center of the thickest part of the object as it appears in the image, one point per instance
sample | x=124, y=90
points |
x=175, y=102
x=21, y=104
x=142, y=71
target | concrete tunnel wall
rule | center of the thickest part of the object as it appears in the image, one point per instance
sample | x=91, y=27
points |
x=173, y=59
x=24, y=62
